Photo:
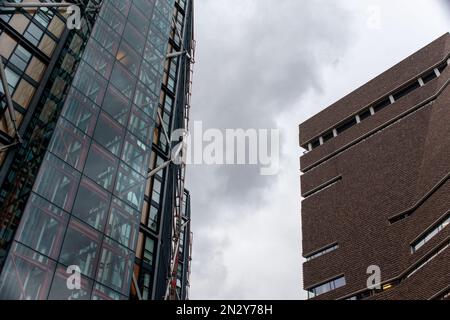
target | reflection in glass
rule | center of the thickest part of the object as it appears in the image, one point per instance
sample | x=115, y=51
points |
x=123, y=224
x=116, y=266
x=91, y=204
x=57, y=182
x=26, y=275
x=60, y=291
x=42, y=227
x=101, y=166
x=81, y=247
x=109, y=133
x=130, y=186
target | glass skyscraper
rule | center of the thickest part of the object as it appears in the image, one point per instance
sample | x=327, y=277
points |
x=93, y=107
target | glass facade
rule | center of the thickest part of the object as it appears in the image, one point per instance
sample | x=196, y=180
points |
x=88, y=202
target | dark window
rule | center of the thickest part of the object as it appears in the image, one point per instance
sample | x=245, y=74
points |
x=328, y=136
x=315, y=143
x=109, y=134
x=407, y=90
x=381, y=105
x=101, y=167
x=364, y=115
x=346, y=125
x=429, y=76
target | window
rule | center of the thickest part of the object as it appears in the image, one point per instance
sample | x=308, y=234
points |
x=20, y=58
x=26, y=275
x=42, y=227
x=136, y=154
x=146, y=100
x=99, y=58
x=134, y=38
x=148, y=251
x=130, y=186
x=322, y=252
x=70, y=144
x=57, y=182
x=326, y=287
x=90, y=83
x=114, y=19
x=109, y=134
x=34, y=33
x=315, y=143
x=141, y=125
x=123, y=80
x=430, y=234
x=106, y=37
x=91, y=204
x=116, y=266
x=407, y=90
x=327, y=136
x=129, y=58
x=123, y=224
x=116, y=105
x=346, y=125
x=101, y=167
x=81, y=112
x=60, y=291
x=81, y=247
x=364, y=115
x=103, y=293
x=429, y=76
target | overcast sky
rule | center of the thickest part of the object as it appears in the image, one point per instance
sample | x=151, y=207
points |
x=266, y=64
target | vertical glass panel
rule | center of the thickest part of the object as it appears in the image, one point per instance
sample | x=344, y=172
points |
x=116, y=105
x=92, y=84
x=146, y=100
x=123, y=80
x=113, y=18
x=70, y=144
x=42, y=227
x=149, y=77
x=99, y=58
x=103, y=293
x=80, y=111
x=81, y=247
x=57, y=182
x=101, y=167
x=138, y=19
x=60, y=290
x=153, y=218
x=116, y=266
x=153, y=57
x=136, y=154
x=123, y=6
x=109, y=134
x=130, y=186
x=123, y=224
x=134, y=38
x=91, y=204
x=128, y=57
x=149, y=250
x=26, y=275
x=106, y=37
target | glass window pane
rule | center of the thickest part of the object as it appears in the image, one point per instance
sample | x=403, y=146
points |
x=113, y=18
x=92, y=84
x=70, y=144
x=116, y=266
x=60, y=291
x=134, y=37
x=101, y=167
x=106, y=37
x=130, y=186
x=146, y=100
x=123, y=80
x=109, y=134
x=57, y=182
x=123, y=224
x=136, y=154
x=99, y=58
x=81, y=247
x=141, y=125
x=91, y=204
x=42, y=227
x=128, y=57
x=103, y=293
x=81, y=112
x=116, y=105
x=26, y=275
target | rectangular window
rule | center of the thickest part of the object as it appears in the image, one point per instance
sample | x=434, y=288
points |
x=116, y=105
x=430, y=234
x=59, y=290
x=346, y=125
x=91, y=204
x=57, y=182
x=136, y=154
x=130, y=186
x=116, y=266
x=123, y=224
x=81, y=247
x=407, y=90
x=81, y=112
x=42, y=227
x=109, y=134
x=322, y=252
x=326, y=287
x=70, y=144
x=101, y=167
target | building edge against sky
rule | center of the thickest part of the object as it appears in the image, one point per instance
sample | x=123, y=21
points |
x=75, y=188
x=375, y=186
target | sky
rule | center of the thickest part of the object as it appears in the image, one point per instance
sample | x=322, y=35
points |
x=272, y=64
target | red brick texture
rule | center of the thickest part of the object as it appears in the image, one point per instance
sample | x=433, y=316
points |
x=388, y=164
